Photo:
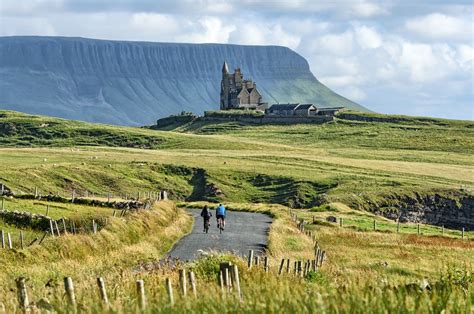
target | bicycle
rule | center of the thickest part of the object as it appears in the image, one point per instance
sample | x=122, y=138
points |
x=207, y=224
x=220, y=224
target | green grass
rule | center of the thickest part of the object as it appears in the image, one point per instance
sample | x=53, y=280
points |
x=330, y=169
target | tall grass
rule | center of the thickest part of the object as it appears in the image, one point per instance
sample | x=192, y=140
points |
x=450, y=292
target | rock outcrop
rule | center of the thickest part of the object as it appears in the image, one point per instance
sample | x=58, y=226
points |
x=452, y=209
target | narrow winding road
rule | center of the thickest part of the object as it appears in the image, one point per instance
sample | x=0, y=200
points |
x=244, y=231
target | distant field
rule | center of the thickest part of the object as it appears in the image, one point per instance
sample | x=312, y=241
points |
x=339, y=159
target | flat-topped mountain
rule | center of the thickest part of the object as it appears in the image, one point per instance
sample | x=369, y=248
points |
x=134, y=83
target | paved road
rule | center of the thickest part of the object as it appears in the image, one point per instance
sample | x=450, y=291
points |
x=243, y=232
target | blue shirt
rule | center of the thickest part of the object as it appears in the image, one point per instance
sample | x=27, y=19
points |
x=220, y=210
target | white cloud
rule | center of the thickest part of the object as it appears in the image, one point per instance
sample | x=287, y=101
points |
x=336, y=44
x=441, y=26
x=10, y=26
x=262, y=34
x=428, y=62
x=341, y=81
x=465, y=55
x=207, y=29
x=153, y=22
x=353, y=93
x=367, y=37
x=367, y=9
x=19, y=7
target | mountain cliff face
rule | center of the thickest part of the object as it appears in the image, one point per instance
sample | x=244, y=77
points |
x=134, y=83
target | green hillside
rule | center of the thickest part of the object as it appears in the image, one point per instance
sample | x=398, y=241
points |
x=252, y=163
x=363, y=168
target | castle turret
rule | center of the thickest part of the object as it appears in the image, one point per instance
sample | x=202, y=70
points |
x=225, y=87
x=225, y=68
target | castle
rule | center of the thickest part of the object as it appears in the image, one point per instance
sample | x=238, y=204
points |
x=237, y=93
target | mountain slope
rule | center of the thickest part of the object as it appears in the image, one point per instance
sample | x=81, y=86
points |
x=133, y=83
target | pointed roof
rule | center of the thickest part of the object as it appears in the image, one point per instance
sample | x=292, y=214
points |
x=225, y=68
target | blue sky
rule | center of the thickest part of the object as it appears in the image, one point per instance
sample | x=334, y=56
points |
x=408, y=57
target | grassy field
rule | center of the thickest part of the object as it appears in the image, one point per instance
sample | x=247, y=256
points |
x=325, y=170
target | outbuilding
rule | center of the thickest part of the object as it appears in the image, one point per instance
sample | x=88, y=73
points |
x=282, y=109
x=329, y=111
x=306, y=110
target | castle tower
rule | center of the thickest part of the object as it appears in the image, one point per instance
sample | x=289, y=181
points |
x=225, y=88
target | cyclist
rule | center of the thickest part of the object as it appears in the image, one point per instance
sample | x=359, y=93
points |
x=220, y=213
x=206, y=216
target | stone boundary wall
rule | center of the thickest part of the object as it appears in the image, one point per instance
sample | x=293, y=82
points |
x=89, y=202
x=272, y=119
x=26, y=219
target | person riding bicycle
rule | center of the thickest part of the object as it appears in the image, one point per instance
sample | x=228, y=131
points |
x=206, y=215
x=220, y=213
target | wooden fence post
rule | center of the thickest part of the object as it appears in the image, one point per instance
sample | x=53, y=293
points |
x=442, y=231
x=462, y=233
x=227, y=279
x=266, y=264
x=340, y=222
x=221, y=281
x=3, y=239
x=34, y=241
x=74, y=230
x=22, y=240
x=69, y=288
x=300, y=268
x=418, y=229
x=250, y=260
x=236, y=280
x=64, y=225
x=22, y=294
x=375, y=225
x=51, y=227
x=323, y=255
x=102, y=291
x=192, y=281
x=288, y=266
x=57, y=228
x=182, y=281
x=10, y=244
x=141, y=294
x=282, y=264
x=257, y=261
x=169, y=289
x=47, y=210
x=44, y=236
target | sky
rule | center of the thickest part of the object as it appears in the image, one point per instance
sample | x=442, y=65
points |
x=405, y=57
